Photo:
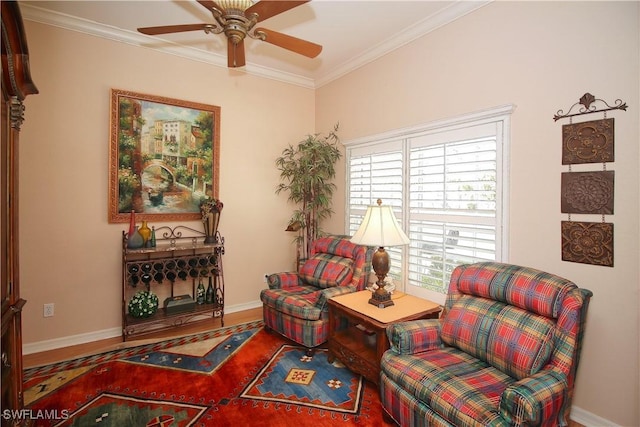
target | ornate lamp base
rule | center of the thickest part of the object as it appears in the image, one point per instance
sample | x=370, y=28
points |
x=381, y=298
x=381, y=262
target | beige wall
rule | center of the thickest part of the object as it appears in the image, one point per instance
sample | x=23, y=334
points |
x=542, y=57
x=70, y=254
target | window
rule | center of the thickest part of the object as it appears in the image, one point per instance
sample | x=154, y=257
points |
x=446, y=182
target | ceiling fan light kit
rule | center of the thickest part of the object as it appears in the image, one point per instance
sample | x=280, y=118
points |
x=240, y=5
x=237, y=19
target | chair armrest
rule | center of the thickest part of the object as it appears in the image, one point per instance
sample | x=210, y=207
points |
x=282, y=280
x=414, y=336
x=532, y=400
x=327, y=293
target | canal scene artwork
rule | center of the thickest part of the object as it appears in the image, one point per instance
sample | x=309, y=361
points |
x=164, y=157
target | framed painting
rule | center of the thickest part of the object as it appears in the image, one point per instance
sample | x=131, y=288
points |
x=164, y=157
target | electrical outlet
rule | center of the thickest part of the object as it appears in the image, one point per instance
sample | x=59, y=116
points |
x=48, y=310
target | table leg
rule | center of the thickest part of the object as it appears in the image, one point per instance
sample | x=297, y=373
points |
x=382, y=343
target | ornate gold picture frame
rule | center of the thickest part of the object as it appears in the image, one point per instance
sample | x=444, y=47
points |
x=164, y=157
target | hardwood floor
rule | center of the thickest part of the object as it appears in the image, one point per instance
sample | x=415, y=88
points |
x=230, y=319
x=57, y=355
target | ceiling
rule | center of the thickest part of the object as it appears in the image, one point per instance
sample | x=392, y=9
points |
x=352, y=32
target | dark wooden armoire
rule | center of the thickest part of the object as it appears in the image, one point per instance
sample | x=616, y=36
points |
x=16, y=85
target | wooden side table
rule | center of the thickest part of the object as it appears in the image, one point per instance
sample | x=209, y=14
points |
x=357, y=329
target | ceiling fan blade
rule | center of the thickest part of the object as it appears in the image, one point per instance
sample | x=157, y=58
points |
x=235, y=54
x=166, y=29
x=208, y=4
x=268, y=8
x=294, y=44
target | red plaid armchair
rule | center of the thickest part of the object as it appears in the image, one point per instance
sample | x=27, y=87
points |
x=504, y=353
x=295, y=304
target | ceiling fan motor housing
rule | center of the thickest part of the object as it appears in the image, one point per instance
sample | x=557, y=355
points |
x=235, y=31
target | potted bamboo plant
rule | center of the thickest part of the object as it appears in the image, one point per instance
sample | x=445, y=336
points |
x=306, y=172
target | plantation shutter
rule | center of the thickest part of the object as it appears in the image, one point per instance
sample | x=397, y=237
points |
x=376, y=172
x=452, y=203
x=447, y=183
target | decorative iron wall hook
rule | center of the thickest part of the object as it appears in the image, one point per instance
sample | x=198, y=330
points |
x=587, y=108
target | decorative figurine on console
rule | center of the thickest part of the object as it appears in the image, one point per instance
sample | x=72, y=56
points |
x=211, y=209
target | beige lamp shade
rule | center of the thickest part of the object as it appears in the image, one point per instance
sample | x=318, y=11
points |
x=380, y=228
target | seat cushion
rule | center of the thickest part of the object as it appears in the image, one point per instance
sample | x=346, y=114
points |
x=309, y=333
x=325, y=270
x=513, y=340
x=297, y=301
x=460, y=388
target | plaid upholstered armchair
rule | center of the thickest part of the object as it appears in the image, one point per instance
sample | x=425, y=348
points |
x=295, y=304
x=504, y=353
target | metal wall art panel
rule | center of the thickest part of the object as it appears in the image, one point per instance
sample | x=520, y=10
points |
x=588, y=242
x=587, y=192
x=588, y=142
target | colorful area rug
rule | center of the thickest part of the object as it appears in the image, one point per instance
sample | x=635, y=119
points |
x=236, y=376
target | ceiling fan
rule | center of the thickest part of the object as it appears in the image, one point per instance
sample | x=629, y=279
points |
x=237, y=20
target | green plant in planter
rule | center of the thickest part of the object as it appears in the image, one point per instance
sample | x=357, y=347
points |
x=306, y=172
x=143, y=304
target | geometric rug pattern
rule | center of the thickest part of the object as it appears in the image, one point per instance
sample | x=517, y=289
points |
x=292, y=377
x=112, y=410
x=40, y=381
x=205, y=356
x=235, y=376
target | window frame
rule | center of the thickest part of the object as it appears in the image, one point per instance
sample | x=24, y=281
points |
x=401, y=139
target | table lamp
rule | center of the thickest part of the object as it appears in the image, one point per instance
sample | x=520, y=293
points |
x=380, y=228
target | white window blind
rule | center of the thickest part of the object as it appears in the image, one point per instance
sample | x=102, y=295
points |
x=376, y=173
x=447, y=184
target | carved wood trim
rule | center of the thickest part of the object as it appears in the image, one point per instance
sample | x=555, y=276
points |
x=16, y=85
x=16, y=74
x=16, y=113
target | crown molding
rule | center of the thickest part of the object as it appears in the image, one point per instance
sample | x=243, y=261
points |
x=411, y=33
x=427, y=25
x=85, y=26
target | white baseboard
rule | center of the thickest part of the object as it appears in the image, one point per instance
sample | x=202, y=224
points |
x=588, y=419
x=46, y=345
